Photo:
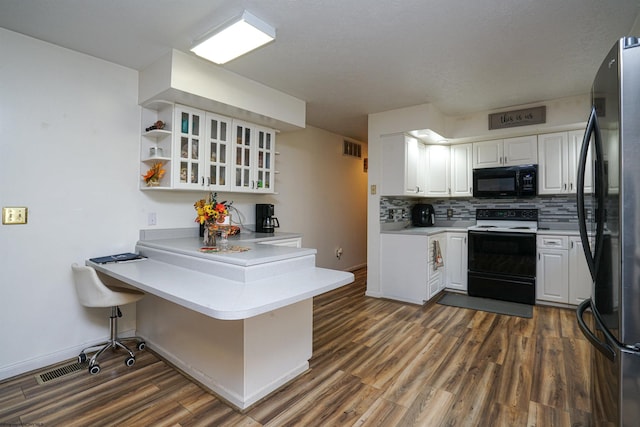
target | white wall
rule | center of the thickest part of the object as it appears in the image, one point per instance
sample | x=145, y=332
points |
x=561, y=114
x=69, y=152
x=323, y=194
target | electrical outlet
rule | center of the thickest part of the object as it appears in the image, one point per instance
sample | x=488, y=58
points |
x=151, y=219
x=16, y=215
x=373, y=189
x=449, y=213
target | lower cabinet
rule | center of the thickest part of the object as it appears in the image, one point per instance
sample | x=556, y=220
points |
x=294, y=242
x=408, y=270
x=456, y=261
x=562, y=274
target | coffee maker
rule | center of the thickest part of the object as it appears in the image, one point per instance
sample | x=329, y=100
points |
x=265, y=221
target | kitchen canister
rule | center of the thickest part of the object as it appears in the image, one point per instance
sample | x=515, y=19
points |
x=155, y=152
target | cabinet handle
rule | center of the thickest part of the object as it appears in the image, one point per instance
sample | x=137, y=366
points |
x=572, y=244
x=538, y=256
x=565, y=185
x=203, y=180
x=209, y=181
x=571, y=186
x=505, y=160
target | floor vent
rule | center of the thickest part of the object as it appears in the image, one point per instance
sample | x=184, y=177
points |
x=59, y=372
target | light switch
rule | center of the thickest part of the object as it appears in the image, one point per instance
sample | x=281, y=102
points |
x=373, y=189
x=15, y=215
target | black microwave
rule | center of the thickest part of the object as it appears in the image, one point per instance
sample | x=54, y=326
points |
x=507, y=181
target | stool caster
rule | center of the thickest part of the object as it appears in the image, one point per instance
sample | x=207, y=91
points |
x=130, y=361
x=82, y=358
x=94, y=369
x=142, y=345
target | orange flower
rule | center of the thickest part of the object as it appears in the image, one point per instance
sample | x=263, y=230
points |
x=155, y=173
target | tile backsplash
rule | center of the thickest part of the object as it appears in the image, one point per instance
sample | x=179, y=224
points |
x=558, y=209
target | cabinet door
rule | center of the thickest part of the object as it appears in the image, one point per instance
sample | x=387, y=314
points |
x=456, y=261
x=218, y=153
x=265, y=151
x=188, y=148
x=403, y=267
x=461, y=170
x=403, y=159
x=487, y=154
x=438, y=174
x=520, y=151
x=553, y=177
x=242, y=159
x=575, y=145
x=437, y=274
x=579, y=275
x=552, y=276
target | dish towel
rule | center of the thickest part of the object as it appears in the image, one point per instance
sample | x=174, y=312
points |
x=437, y=255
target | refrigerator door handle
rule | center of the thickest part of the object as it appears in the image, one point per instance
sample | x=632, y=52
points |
x=593, y=128
x=603, y=348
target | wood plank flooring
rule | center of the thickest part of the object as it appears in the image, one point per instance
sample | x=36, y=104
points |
x=375, y=363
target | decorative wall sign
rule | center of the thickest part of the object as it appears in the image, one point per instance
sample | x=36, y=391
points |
x=524, y=117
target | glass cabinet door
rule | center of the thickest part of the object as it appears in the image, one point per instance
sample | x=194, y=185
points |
x=218, y=154
x=243, y=138
x=265, y=152
x=189, y=130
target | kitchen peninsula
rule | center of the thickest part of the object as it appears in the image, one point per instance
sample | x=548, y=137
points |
x=240, y=323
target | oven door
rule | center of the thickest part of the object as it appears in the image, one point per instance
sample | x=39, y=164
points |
x=502, y=266
x=502, y=253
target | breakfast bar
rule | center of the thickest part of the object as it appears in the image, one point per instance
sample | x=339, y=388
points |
x=238, y=322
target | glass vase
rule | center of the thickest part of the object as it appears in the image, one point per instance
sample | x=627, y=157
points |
x=209, y=238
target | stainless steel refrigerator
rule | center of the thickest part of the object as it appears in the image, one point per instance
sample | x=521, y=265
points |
x=609, y=219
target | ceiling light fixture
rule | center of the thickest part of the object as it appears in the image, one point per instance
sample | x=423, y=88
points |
x=234, y=39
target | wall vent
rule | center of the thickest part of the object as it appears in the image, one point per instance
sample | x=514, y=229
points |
x=352, y=149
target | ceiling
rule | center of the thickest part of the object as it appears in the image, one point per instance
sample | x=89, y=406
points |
x=349, y=58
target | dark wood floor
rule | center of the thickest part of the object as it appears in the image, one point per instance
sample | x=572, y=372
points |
x=375, y=362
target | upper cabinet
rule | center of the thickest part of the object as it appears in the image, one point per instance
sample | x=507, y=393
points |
x=200, y=150
x=558, y=167
x=505, y=152
x=254, y=155
x=437, y=166
x=461, y=170
x=403, y=160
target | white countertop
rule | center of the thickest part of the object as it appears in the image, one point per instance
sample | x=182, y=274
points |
x=222, y=298
x=257, y=253
x=226, y=286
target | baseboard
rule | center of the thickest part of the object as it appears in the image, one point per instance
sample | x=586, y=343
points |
x=40, y=362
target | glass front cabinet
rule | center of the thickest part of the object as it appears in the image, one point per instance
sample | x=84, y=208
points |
x=254, y=151
x=200, y=150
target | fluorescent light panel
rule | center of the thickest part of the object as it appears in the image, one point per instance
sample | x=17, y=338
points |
x=242, y=36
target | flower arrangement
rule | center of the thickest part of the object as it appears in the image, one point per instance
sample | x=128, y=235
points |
x=210, y=211
x=154, y=174
x=211, y=214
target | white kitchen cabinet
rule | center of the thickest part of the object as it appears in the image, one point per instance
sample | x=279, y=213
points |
x=558, y=167
x=254, y=152
x=188, y=148
x=488, y=154
x=456, y=261
x=505, y=152
x=217, y=159
x=403, y=160
x=403, y=267
x=580, y=282
x=407, y=266
x=436, y=275
x=562, y=274
x=437, y=165
x=461, y=170
x=294, y=242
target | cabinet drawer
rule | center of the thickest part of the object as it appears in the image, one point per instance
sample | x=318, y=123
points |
x=553, y=242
